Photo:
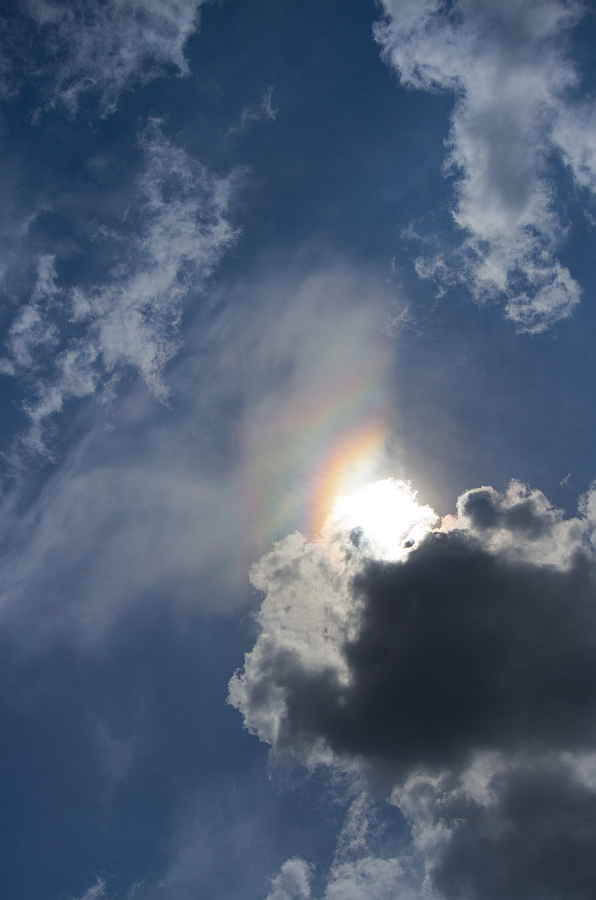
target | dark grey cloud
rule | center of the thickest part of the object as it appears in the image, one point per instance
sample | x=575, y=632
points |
x=459, y=651
x=536, y=839
x=459, y=648
x=464, y=672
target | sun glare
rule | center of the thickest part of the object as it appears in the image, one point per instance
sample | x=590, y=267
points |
x=387, y=515
x=354, y=462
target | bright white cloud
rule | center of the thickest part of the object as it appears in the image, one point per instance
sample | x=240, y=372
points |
x=292, y=882
x=509, y=69
x=523, y=525
x=108, y=47
x=131, y=321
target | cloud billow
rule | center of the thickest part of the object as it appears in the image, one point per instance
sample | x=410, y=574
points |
x=533, y=837
x=509, y=68
x=465, y=672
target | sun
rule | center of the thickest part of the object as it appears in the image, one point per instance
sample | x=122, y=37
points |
x=353, y=462
x=387, y=516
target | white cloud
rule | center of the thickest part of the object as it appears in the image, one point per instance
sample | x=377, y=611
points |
x=370, y=878
x=490, y=830
x=356, y=873
x=108, y=47
x=499, y=520
x=373, y=878
x=102, y=537
x=509, y=69
x=96, y=892
x=308, y=353
x=575, y=133
x=131, y=321
x=292, y=882
x=32, y=328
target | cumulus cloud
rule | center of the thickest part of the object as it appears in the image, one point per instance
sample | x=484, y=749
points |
x=104, y=48
x=514, y=828
x=463, y=670
x=500, y=599
x=512, y=76
x=179, y=233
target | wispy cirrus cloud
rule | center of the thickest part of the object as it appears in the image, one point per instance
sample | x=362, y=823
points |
x=95, y=892
x=510, y=70
x=98, y=48
x=67, y=341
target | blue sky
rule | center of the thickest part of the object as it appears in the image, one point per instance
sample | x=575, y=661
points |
x=254, y=256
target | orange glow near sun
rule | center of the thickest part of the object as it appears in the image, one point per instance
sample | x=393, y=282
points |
x=352, y=463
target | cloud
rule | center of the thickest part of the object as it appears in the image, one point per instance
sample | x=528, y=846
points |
x=509, y=828
x=176, y=500
x=373, y=878
x=512, y=77
x=502, y=603
x=265, y=111
x=105, y=534
x=103, y=48
x=355, y=871
x=463, y=673
x=131, y=321
x=292, y=882
x=95, y=892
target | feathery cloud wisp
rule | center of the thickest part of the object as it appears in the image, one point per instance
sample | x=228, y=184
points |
x=106, y=48
x=132, y=319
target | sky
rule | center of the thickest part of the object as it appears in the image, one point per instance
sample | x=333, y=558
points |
x=297, y=482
